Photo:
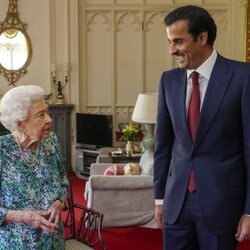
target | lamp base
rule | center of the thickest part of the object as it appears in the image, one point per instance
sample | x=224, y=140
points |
x=148, y=140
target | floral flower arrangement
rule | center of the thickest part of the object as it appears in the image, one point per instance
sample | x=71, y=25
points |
x=131, y=132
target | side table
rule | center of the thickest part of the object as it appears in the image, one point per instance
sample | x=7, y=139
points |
x=124, y=158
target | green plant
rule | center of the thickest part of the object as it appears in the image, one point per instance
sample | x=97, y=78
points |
x=131, y=132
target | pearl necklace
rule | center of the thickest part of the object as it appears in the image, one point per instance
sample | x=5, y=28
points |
x=29, y=162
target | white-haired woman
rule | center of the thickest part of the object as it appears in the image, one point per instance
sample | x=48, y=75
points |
x=33, y=182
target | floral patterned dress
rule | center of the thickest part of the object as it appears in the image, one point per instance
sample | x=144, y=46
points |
x=36, y=187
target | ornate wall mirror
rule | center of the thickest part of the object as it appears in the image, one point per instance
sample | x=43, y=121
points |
x=15, y=46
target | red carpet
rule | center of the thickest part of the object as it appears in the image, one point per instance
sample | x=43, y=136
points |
x=127, y=238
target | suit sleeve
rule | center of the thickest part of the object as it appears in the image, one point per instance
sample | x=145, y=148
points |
x=245, y=103
x=164, y=141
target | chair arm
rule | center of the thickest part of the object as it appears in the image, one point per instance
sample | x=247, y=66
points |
x=99, y=182
x=89, y=231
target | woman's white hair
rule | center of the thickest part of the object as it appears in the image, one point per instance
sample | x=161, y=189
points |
x=16, y=103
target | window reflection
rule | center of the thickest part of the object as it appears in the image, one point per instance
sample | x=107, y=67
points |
x=13, y=49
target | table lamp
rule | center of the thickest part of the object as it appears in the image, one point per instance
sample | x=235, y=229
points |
x=145, y=112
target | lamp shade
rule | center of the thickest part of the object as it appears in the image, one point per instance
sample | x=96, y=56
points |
x=145, y=108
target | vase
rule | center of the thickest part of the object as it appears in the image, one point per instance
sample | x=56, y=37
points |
x=130, y=147
x=148, y=140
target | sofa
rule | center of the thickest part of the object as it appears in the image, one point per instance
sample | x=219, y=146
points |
x=125, y=200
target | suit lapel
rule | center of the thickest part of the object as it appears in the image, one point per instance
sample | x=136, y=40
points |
x=216, y=89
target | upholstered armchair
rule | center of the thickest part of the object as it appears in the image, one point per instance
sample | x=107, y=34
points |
x=125, y=200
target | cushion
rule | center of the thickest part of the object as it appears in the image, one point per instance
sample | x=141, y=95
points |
x=110, y=170
x=114, y=170
x=132, y=169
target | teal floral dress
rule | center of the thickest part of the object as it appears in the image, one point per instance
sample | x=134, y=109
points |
x=36, y=187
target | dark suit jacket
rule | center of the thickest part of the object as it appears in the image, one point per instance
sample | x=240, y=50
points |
x=220, y=154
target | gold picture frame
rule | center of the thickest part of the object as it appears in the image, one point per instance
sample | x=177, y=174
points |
x=9, y=28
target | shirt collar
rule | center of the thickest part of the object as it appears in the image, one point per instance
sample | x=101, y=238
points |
x=205, y=69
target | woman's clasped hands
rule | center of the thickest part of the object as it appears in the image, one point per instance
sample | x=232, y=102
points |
x=46, y=220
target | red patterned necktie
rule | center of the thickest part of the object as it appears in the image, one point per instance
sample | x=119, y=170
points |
x=193, y=118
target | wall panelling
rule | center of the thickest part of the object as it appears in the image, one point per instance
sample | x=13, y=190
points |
x=126, y=48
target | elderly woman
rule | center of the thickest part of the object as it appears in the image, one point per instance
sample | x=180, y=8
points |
x=33, y=182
